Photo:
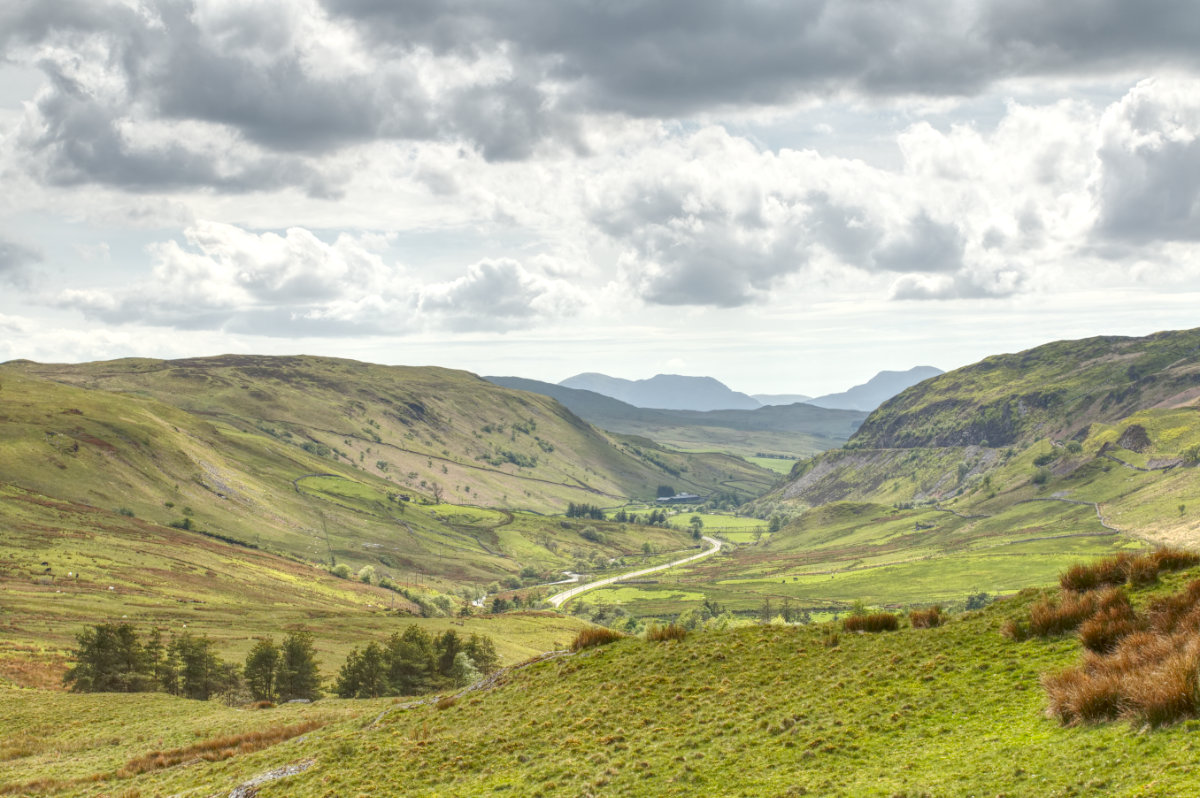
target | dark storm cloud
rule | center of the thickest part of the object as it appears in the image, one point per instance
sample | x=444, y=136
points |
x=1092, y=35
x=680, y=56
x=81, y=141
x=249, y=67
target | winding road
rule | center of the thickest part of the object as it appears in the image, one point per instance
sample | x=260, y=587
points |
x=560, y=598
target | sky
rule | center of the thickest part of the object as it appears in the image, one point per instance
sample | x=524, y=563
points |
x=787, y=196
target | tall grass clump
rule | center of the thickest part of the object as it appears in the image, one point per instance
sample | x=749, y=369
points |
x=595, y=636
x=671, y=631
x=1056, y=616
x=1149, y=678
x=926, y=619
x=875, y=622
x=1141, y=667
x=1133, y=570
x=1169, y=559
x=1109, y=625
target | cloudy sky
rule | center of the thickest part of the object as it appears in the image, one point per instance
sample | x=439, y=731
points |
x=788, y=196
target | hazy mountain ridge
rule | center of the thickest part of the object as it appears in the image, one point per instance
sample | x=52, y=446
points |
x=780, y=398
x=877, y=390
x=676, y=392
x=665, y=391
x=799, y=428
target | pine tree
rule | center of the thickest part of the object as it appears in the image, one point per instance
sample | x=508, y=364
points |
x=296, y=676
x=261, y=664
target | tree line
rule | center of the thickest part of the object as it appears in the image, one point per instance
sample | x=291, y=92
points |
x=413, y=662
x=114, y=658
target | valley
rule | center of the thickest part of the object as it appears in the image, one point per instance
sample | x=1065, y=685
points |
x=242, y=497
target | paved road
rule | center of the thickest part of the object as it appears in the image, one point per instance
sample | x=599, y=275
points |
x=558, y=599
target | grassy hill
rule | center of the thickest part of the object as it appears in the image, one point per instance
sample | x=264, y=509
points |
x=798, y=430
x=417, y=428
x=1101, y=443
x=219, y=494
x=1051, y=391
x=956, y=710
x=66, y=565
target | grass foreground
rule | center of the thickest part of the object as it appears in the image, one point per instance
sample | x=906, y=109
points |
x=756, y=710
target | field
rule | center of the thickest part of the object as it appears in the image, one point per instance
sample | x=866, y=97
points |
x=758, y=710
x=776, y=464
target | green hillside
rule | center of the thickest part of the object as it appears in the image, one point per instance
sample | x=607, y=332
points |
x=1107, y=464
x=426, y=430
x=1051, y=391
x=956, y=710
x=194, y=514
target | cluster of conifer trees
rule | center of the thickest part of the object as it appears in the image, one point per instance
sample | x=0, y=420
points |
x=113, y=658
x=413, y=661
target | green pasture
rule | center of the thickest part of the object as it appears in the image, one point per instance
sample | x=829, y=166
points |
x=776, y=464
x=764, y=710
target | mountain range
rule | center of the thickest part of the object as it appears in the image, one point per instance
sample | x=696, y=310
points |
x=797, y=430
x=678, y=392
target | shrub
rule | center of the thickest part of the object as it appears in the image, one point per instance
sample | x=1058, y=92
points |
x=926, y=619
x=341, y=571
x=875, y=622
x=977, y=601
x=592, y=534
x=595, y=636
x=1041, y=476
x=659, y=634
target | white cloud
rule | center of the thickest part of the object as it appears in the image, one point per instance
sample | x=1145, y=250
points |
x=228, y=278
x=1149, y=184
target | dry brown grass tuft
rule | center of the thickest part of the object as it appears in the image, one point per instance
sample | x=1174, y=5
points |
x=216, y=749
x=1112, y=620
x=926, y=619
x=659, y=634
x=1135, y=570
x=1142, y=668
x=595, y=636
x=1172, y=612
x=1061, y=615
x=1169, y=559
x=875, y=622
x=1015, y=630
x=1078, y=697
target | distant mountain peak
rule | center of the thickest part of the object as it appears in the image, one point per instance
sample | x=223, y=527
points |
x=665, y=391
x=877, y=390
